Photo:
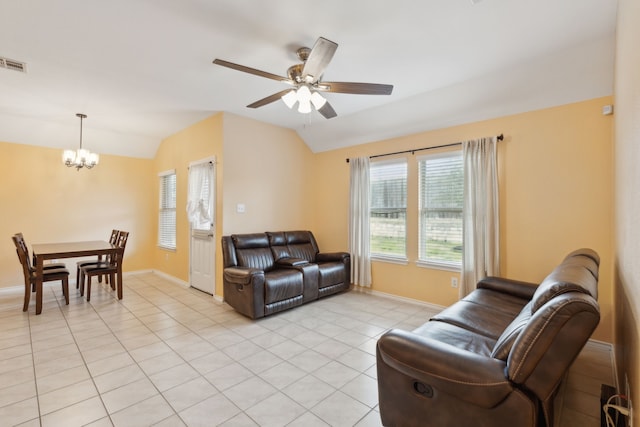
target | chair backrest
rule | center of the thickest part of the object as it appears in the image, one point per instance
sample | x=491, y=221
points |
x=123, y=236
x=23, y=257
x=114, y=236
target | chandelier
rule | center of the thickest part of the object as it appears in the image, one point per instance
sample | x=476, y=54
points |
x=304, y=97
x=80, y=158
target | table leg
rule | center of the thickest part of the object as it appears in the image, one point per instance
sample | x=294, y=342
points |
x=39, y=269
x=119, y=278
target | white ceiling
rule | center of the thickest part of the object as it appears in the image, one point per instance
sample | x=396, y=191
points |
x=142, y=69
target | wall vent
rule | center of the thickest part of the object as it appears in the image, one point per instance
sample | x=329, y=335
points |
x=11, y=64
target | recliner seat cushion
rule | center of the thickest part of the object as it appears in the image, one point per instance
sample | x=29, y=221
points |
x=476, y=318
x=457, y=336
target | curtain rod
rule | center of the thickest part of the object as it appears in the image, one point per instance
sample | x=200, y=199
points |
x=499, y=138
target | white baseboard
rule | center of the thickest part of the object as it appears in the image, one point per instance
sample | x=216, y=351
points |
x=397, y=298
x=172, y=279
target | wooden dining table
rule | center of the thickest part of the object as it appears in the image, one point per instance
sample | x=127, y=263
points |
x=47, y=251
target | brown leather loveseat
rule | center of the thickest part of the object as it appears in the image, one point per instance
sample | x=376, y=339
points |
x=494, y=358
x=265, y=273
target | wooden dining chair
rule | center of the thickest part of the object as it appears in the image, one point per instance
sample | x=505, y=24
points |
x=49, y=274
x=107, y=268
x=113, y=240
x=48, y=266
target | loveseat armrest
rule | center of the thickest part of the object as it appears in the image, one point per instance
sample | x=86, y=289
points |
x=241, y=275
x=508, y=286
x=244, y=290
x=291, y=262
x=471, y=377
x=332, y=256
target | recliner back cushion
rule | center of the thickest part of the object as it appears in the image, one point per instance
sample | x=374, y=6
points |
x=252, y=250
x=301, y=244
x=504, y=344
x=278, y=243
x=565, y=278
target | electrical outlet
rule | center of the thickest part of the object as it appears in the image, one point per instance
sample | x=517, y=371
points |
x=454, y=282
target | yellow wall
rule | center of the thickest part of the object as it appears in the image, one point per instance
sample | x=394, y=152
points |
x=268, y=169
x=49, y=202
x=555, y=196
x=197, y=142
x=627, y=199
x=555, y=182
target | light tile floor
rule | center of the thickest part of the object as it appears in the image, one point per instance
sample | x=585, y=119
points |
x=169, y=356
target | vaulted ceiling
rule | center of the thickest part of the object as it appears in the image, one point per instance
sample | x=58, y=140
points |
x=141, y=70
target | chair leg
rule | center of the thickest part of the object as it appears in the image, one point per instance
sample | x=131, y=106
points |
x=88, y=278
x=81, y=283
x=77, y=277
x=65, y=289
x=27, y=296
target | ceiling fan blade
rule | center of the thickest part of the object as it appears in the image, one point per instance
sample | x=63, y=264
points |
x=253, y=71
x=356, y=88
x=327, y=111
x=269, y=99
x=319, y=57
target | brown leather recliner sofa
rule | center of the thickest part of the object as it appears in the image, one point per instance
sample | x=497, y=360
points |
x=265, y=273
x=494, y=358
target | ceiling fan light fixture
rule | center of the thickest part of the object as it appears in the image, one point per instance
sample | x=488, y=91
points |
x=318, y=100
x=304, y=107
x=290, y=98
x=304, y=94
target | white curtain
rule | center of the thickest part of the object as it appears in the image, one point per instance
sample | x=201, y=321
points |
x=200, y=195
x=481, y=219
x=359, y=222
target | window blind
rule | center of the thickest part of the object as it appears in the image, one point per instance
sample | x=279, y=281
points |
x=388, y=208
x=167, y=211
x=441, y=198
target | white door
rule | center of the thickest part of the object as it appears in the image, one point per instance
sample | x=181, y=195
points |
x=201, y=214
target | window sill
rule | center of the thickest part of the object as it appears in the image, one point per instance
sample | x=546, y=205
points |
x=439, y=266
x=167, y=248
x=389, y=259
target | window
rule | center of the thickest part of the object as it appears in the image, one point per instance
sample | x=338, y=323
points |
x=441, y=196
x=388, y=214
x=167, y=212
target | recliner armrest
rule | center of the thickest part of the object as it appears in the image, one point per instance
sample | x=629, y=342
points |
x=508, y=286
x=291, y=262
x=241, y=275
x=471, y=377
x=332, y=256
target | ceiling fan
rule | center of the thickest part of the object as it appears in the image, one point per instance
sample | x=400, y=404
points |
x=305, y=82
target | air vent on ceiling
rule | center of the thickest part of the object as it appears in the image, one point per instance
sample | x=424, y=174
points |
x=13, y=65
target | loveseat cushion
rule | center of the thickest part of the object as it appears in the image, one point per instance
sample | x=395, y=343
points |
x=282, y=284
x=476, y=318
x=457, y=337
